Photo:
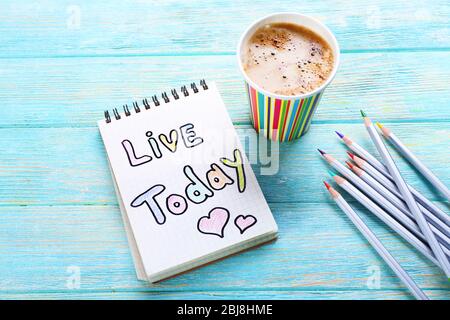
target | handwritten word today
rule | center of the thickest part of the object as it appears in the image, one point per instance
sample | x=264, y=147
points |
x=197, y=191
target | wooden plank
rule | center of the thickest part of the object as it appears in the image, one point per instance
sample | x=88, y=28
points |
x=40, y=166
x=57, y=206
x=74, y=92
x=318, y=248
x=230, y=295
x=65, y=28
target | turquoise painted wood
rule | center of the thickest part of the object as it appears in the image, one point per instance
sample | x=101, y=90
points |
x=63, y=62
x=61, y=166
x=52, y=28
x=396, y=86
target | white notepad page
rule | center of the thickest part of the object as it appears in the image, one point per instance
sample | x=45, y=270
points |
x=186, y=195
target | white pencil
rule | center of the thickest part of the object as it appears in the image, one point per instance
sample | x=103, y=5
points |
x=377, y=245
x=407, y=196
x=385, y=199
x=442, y=238
x=372, y=193
x=388, y=184
x=415, y=161
x=382, y=169
x=363, y=153
x=386, y=218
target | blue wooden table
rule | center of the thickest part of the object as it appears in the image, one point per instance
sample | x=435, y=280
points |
x=63, y=62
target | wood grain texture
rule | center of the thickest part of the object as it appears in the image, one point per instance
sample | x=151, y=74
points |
x=69, y=166
x=67, y=28
x=75, y=91
x=229, y=295
x=57, y=205
x=40, y=243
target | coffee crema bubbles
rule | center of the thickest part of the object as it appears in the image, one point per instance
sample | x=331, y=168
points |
x=287, y=59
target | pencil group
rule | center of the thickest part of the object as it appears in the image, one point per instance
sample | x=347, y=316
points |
x=427, y=173
x=380, y=187
x=376, y=244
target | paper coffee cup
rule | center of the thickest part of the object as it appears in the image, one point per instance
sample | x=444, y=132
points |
x=280, y=117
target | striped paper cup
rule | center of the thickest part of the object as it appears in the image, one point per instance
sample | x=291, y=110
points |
x=279, y=117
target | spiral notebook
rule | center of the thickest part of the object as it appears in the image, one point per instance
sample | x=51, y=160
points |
x=187, y=193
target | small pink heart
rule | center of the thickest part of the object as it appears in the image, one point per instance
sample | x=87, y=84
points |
x=215, y=222
x=243, y=223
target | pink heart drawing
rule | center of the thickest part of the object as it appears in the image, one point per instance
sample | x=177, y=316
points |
x=215, y=222
x=244, y=222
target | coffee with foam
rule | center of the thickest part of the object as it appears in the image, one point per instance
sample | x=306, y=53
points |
x=287, y=59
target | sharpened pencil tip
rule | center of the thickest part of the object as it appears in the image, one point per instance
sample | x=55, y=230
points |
x=349, y=164
x=340, y=135
x=326, y=185
x=351, y=155
x=363, y=114
x=321, y=151
x=379, y=125
x=331, y=173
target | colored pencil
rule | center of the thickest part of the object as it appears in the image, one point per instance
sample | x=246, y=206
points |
x=390, y=196
x=382, y=169
x=386, y=218
x=388, y=184
x=396, y=142
x=376, y=244
x=373, y=194
x=407, y=195
x=362, y=152
x=442, y=238
x=382, y=196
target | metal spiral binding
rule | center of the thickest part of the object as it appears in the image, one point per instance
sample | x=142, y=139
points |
x=203, y=84
x=155, y=100
x=146, y=103
x=165, y=97
x=116, y=114
x=126, y=110
x=107, y=116
x=185, y=91
x=136, y=107
x=175, y=94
